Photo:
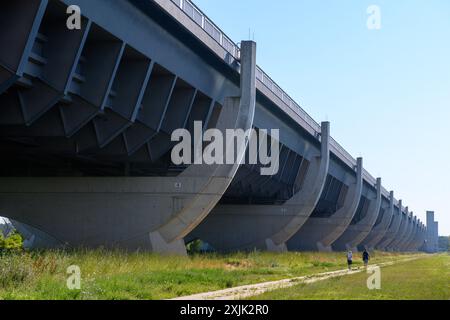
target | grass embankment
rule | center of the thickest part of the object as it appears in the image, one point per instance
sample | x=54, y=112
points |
x=118, y=275
x=427, y=278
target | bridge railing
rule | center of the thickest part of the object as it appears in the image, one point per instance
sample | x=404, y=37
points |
x=192, y=11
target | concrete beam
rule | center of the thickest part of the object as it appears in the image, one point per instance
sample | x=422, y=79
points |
x=356, y=233
x=50, y=75
x=99, y=71
x=149, y=213
x=19, y=27
x=320, y=233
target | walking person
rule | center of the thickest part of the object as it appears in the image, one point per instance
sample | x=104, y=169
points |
x=349, y=259
x=366, y=258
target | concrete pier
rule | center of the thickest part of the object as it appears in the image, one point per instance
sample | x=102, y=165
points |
x=320, y=233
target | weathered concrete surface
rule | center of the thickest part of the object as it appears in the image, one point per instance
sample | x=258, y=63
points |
x=42, y=75
x=268, y=227
x=152, y=213
x=320, y=233
x=420, y=238
x=379, y=231
x=410, y=234
x=356, y=233
x=409, y=245
x=401, y=232
x=392, y=230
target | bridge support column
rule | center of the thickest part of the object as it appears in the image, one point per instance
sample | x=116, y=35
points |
x=420, y=237
x=150, y=213
x=407, y=236
x=398, y=237
x=379, y=231
x=413, y=240
x=393, y=229
x=320, y=233
x=356, y=233
x=409, y=246
x=267, y=227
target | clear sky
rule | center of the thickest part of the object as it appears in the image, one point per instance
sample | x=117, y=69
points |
x=386, y=92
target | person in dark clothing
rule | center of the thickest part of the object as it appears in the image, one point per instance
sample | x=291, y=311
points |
x=365, y=257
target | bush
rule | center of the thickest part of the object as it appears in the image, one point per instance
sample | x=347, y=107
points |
x=13, y=242
x=194, y=247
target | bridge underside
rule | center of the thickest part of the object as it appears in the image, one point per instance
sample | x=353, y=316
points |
x=86, y=118
x=86, y=123
x=266, y=223
x=334, y=211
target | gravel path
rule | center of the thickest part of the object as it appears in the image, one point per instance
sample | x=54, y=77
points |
x=246, y=291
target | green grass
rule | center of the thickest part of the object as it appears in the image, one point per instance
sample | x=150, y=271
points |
x=427, y=278
x=119, y=275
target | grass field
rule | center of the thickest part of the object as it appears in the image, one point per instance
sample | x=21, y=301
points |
x=427, y=278
x=118, y=275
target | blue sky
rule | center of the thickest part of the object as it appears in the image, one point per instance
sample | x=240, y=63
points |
x=386, y=92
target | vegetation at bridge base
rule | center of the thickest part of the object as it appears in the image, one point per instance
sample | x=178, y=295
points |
x=427, y=278
x=13, y=243
x=444, y=243
x=140, y=275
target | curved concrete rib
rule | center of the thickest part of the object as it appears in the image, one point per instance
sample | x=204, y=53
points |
x=304, y=202
x=356, y=233
x=21, y=25
x=379, y=231
x=414, y=245
x=392, y=230
x=267, y=227
x=320, y=233
x=411, y=246
x=408, y=235
x=151, y=213
x=412, y=238
x=418, y=246
x=419, y=237
x=188, y=218
x=392, y=234
x=401, y=232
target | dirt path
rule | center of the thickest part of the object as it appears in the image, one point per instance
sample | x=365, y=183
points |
x=246, y=291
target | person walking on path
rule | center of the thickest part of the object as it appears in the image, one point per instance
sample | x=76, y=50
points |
x=366, y=258
x=349, y=259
